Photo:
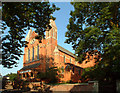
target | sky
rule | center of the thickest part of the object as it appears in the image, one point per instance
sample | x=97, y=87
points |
x=62, y=19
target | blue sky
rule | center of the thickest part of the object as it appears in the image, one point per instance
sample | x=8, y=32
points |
x=62, y=19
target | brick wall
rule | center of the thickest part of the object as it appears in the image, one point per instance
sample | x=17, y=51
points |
x=47, y=56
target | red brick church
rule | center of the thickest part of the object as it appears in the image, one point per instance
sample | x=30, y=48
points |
x=40, y=56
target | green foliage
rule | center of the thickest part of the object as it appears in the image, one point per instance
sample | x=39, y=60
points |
x=0, y=77
x=95, y=26
x=51, y=74
x=12, y=76
x=16, y=19
x=62, y=69
x=41, y=75
x=4, y=82
x=69, y=81
x=18, y=83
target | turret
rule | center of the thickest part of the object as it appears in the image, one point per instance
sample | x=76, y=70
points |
x=51, y=41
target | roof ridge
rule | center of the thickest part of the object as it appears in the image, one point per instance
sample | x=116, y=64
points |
x=30, y=66
x=66, y=51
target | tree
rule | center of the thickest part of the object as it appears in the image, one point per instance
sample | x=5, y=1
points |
x=12, y=76
x=51, y=75
x=4, y=82
x=95, y=26
x=16, y=19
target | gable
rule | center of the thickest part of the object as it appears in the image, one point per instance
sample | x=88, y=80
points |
x=28, y=35
x=31, y=36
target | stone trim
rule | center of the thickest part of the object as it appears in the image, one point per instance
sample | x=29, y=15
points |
x=51, y=37
x=66, y=51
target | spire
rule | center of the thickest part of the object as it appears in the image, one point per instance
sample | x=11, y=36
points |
x=56, y=49
x=53, y=31
x=52, y=23
x=28, y=35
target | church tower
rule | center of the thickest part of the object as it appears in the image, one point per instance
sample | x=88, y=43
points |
x=51, y=43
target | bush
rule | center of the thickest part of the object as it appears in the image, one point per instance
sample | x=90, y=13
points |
x=4, y=82
x=69, y=81
x=51, y=75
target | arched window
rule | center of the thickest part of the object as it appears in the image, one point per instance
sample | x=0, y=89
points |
x=68, y=68
x=33, y=54
x=64, y=58
x=88, y=57
x=73, y=70
x=70, y=60
x=20, y=75
x=48, y=33
x=23, y=74
x=38, y=52
x=56, y=35
x=31, y=74
x=38, y=74
x=62, y=68
x=53, y=32
x=79, y=71
x=27, y=75
x=28, y=55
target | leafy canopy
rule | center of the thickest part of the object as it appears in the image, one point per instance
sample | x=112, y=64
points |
x=51, y=74
x=12, y=76
x=16, y=19
x=95, y=26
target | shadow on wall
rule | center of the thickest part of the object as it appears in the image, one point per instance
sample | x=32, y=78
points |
x=51, y=71
x=90, y=87
x=42, y=67
x=82, y=89
x=75, y=72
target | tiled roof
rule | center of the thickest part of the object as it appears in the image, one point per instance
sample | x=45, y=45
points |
x=31, y=66
x=65, y=51
x=73, y=65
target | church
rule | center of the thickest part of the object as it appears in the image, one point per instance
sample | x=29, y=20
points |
x=40, y=56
